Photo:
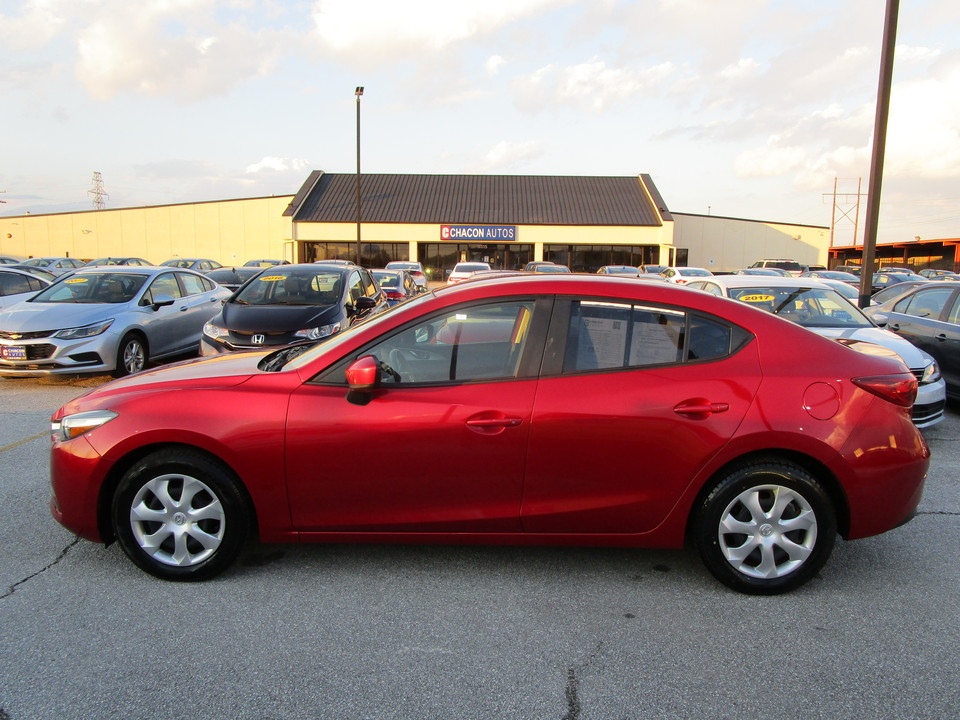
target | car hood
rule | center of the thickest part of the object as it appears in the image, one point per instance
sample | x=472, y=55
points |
x=28, y=316
x=911, y=355
x=277, y=318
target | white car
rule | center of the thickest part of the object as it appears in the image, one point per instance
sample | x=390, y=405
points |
x=463, y=270
x=683, y=275
x=818, y=307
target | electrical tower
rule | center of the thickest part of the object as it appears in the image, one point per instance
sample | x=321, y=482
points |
x=848, y=205
x=99, y=194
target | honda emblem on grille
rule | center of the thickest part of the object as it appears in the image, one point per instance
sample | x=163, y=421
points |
x=258, y=339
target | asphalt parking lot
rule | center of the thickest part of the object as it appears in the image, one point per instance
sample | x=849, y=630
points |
x=412, y=632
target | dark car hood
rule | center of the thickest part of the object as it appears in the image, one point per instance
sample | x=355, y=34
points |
x=277, y=318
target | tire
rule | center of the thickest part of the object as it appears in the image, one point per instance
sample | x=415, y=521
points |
x=131, y=355
x=766, y=527
x=179, y=515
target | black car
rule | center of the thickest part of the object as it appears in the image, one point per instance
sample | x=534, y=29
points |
x=289, y=304
x=233, y=277
x=929, y=317
x=397, y=285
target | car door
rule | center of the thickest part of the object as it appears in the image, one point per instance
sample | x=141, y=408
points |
x=199, y=303
x=631, y=404
x=930, y=319
x=439, y=448
x=165, y=326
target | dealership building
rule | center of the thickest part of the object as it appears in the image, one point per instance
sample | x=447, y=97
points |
x=439, y=220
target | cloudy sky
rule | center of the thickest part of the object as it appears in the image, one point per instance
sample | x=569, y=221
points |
x=743, y=108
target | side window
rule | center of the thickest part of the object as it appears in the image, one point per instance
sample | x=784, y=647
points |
x=369, y=286
x=928, y=303
x=605, y=335
x=12, y=283
x=192, y=284
x=165, y=284
x=356, y=287
x=482, y=342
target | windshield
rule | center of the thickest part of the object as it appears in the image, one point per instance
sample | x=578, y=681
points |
x=106, y=287
x=809, y=307
x=299, y=286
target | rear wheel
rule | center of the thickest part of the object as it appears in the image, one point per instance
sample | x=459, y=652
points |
x=766, y=527
x=131, y=355
x=180, y=515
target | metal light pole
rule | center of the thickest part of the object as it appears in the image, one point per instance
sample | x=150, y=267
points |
x=358, y=93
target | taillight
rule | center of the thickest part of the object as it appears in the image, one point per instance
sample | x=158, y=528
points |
x=394, y=295
x=899, y=389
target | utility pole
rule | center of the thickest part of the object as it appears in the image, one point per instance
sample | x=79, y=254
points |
x=358, y=92
x=879, y=145
x=99, y=194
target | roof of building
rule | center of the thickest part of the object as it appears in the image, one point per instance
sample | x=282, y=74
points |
x=480, y=199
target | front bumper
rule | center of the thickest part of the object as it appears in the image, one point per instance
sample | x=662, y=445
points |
x=32, y=357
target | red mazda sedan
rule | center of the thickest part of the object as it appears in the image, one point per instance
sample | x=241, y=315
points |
x=562, y=410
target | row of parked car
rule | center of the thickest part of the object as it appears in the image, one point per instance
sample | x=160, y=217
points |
x=116, y=317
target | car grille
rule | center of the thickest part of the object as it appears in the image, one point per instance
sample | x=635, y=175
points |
x=922, y=414
x=10, y=335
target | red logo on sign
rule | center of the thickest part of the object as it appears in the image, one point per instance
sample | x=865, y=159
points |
x=444, y=232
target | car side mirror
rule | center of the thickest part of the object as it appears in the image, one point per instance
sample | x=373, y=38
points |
x=363, y=377
x=161, y=301
x=364, y=303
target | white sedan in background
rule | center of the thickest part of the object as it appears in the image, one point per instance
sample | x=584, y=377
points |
x=683, y=275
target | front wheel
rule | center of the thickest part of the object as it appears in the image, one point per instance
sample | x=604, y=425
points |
x=131, y=355
x=766, y=527
x=180, y=515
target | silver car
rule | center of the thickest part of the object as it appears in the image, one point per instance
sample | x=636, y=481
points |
x=107, y=320
x=17, y=285
x=818, y=307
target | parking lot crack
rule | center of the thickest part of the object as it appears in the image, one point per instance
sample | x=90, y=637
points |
x=13, y=588
x=572, y=690
x=938, y=512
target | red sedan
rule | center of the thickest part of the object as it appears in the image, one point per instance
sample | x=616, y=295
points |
x=564, y=410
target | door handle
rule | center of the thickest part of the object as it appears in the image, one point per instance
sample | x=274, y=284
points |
x=495, y=422
x=700, y=407
x=894, y=327
x=941, y=337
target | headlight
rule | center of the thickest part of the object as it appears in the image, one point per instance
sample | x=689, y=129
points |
x=931, y=374
x=85, y=331
x=213, y=331
x=76, y=425
x=318, y=332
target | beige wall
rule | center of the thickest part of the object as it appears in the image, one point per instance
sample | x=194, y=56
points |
x=229, y=231
x=723, y=244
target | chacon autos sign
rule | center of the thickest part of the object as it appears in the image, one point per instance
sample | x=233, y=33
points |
x=478, y=232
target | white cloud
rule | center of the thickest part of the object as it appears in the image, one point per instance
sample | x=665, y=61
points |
x=375, y=30
x=494, y=63
x=770, y=161
x=37, y=24
x=506, y=156
x=272, y=164
x=744, y=67
x=591, y=85
x=171, y=48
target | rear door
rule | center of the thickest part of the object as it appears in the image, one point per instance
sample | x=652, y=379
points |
x=632, y=403
x=930, y=319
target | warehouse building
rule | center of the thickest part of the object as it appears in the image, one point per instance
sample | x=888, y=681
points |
x=506, y=220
